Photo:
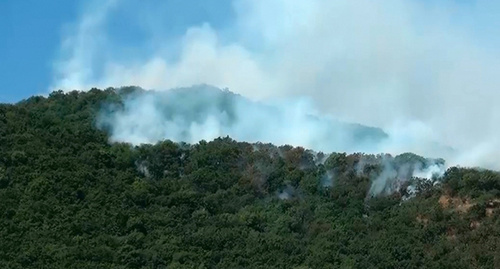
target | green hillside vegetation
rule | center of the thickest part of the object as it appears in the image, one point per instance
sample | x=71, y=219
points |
x=71, y=199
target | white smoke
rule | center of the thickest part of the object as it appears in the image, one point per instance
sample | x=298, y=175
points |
x=395, y=175
x=383, y=183
x=204, y=113
x=430, y=172
x=418, y=70
x=287, y=193
x=328, y=179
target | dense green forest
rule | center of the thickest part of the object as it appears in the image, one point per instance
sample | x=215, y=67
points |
x=71, y=199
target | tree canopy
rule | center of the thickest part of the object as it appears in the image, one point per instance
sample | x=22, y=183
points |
x=71, y=199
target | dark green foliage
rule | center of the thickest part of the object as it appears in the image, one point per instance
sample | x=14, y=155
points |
x=70, y=199
x=473, y=182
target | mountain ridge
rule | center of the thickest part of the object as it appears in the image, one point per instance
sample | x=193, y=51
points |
x=233, y=115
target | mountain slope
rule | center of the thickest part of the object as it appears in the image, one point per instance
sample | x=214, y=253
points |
x=71, y=199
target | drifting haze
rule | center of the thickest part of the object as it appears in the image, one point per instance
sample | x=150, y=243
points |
x=420, y=71
x=203, y=113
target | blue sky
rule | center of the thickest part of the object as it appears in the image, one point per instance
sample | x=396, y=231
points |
x=30, y=36
x=31, y=32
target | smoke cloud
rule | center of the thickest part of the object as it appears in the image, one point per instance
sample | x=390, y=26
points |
x=396, y=173
x=426, y=73
x=204, y=113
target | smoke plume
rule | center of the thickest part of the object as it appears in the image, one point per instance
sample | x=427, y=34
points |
x=398, y=171
x=424, y=72
x=204, y=113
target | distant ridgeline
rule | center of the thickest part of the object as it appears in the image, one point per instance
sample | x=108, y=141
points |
x=73, y=198
x=205, y=112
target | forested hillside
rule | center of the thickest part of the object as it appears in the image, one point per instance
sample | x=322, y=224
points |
x=71, y=199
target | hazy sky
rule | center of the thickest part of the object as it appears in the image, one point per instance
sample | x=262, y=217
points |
x=31, y=31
